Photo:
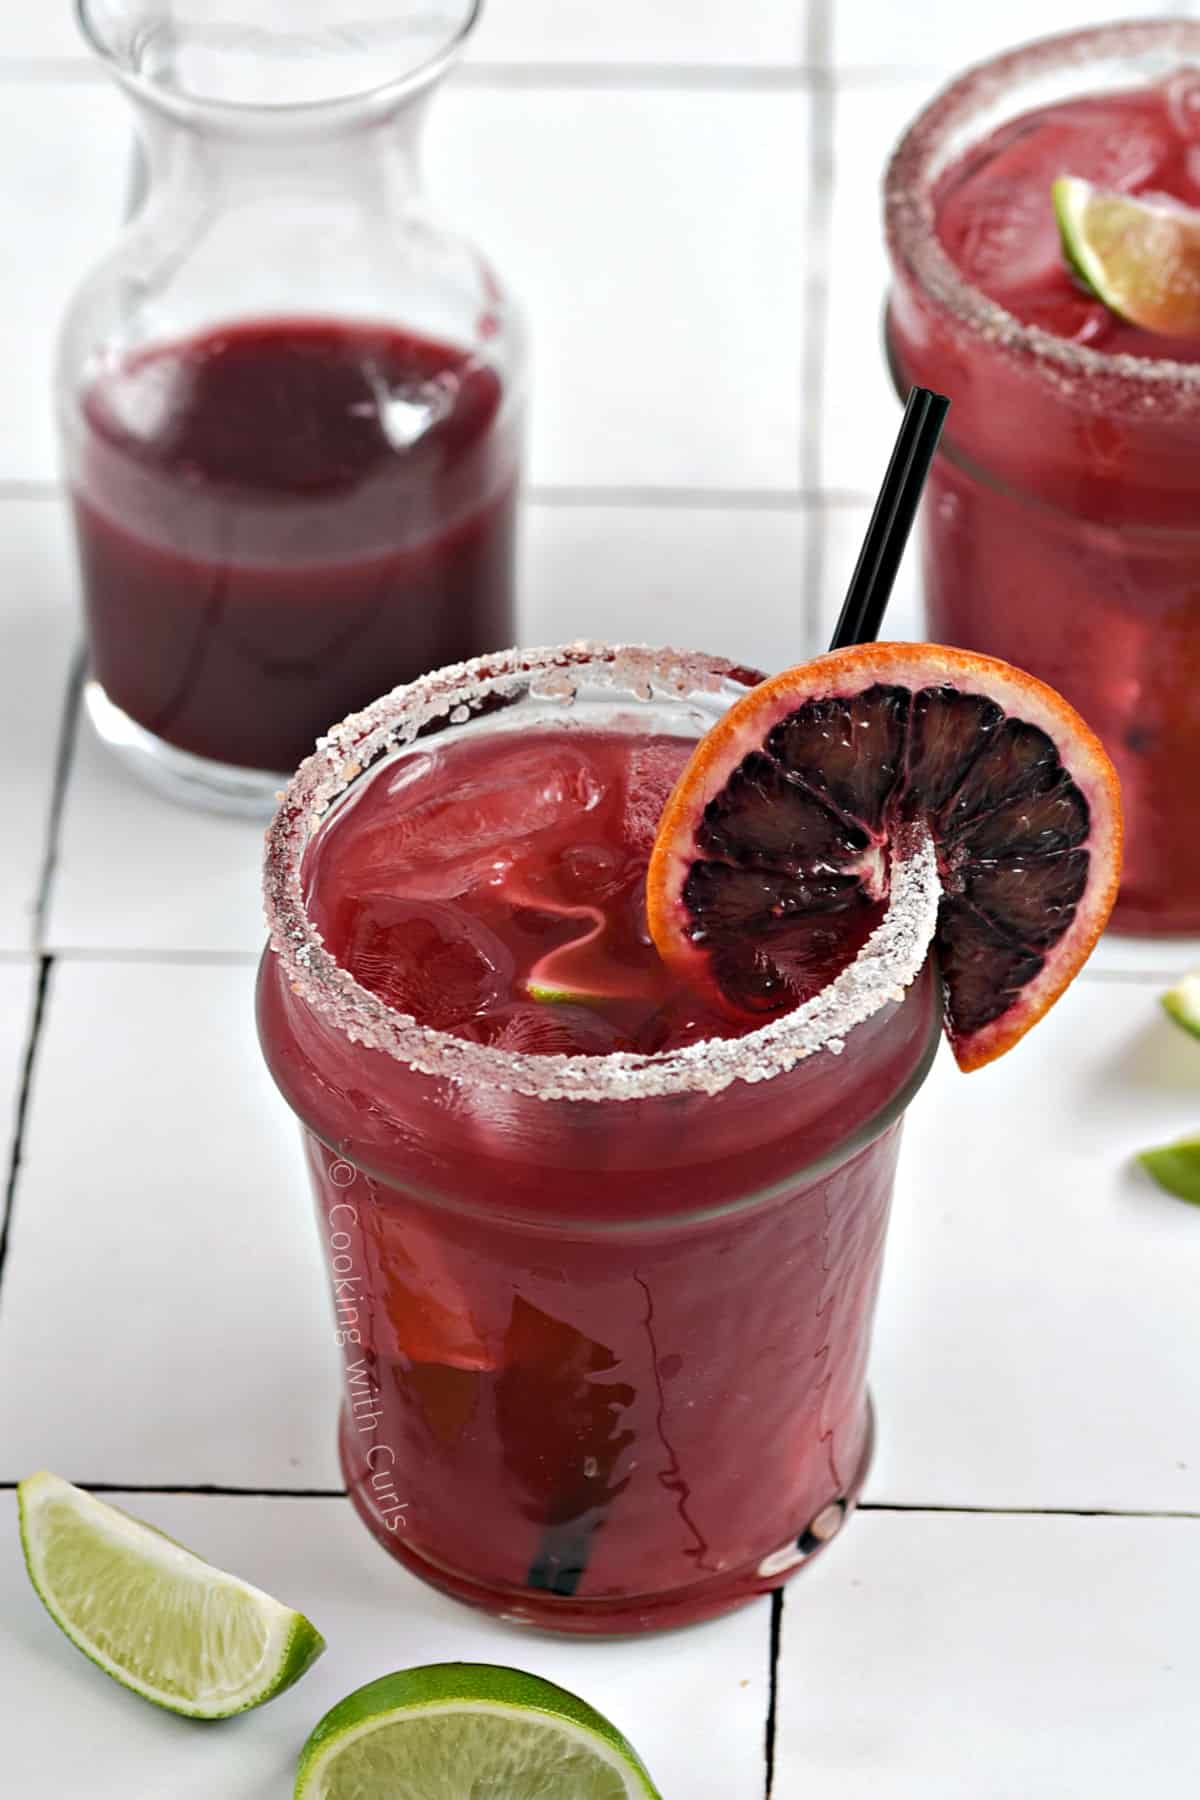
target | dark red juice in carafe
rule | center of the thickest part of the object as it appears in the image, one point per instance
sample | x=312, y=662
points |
x=280, y=519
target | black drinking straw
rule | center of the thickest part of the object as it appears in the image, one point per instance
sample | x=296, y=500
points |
x=563, y=1550
x=896, y=508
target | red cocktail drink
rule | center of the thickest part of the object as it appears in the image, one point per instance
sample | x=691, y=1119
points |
x=603, y=1263
x=279, y=519
x=1062, y=522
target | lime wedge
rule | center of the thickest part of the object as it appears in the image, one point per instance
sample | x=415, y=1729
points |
x=1141, y=257
x=1176, y=1167
x=1182, y=1003
x=559, y=996
x=150, y=1614
x=452, y=1729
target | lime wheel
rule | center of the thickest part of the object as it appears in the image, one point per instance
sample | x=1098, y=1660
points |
x=1140, y=255
x=773, y=859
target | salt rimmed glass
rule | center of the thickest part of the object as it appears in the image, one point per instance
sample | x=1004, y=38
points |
x=1060, y=529
x=604, y=1320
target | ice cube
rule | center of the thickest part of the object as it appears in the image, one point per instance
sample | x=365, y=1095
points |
x=441, y=843
x=653, y=770
x=549, y=1028
x=589, y=872
x=996, y=212
x=1182, y=94
x=443, y=967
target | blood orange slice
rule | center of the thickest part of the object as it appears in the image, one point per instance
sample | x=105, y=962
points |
x=772, y=862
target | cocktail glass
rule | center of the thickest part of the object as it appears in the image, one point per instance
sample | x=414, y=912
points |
x=604, y=1319
x=1061, y=527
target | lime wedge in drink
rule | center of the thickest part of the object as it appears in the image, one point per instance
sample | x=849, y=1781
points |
x=558, y=996
x=150, y=1614
x=452, y=1729
x=1176, y=1167
x=1182, y=1003
x=1140, y=256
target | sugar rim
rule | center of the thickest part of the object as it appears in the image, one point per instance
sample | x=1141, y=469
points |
x=909, y=216
x=888, y=963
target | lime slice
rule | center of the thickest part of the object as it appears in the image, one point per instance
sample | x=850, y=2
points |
x=452, y=1729
x=150, y=1614
x=1176, y=1167
x=1182, y=1002
x=1141, y=257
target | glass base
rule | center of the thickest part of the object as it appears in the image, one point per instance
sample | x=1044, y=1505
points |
x=191, y=780
x=633, y=1614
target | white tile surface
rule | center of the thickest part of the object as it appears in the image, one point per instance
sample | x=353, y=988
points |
x=315, y=1555
x=686, y=33
x=137, y=873
x=164, y=1313
x=45, y=28
x=62, y=175
x=1038, y=1341
x=657, y=239
x=993, y=1658
x=37, y=638
x=860, y=411
x=727, y=580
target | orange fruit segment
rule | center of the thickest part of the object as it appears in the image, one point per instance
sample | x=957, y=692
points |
x=772, y=862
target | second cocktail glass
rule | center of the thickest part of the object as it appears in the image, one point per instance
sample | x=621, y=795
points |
x=604, y=1318
x=1061, y=518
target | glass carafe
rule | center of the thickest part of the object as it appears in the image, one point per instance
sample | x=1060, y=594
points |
x=290, y=403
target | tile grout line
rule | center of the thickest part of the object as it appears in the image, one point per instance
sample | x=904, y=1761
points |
x=805, y=72
x=774, y=1658
x=20, y=1117
x=64, y=749
x=774, y=499
x=671, y=77
x=209, y=1490
x=783, y=499
x=64, y=756
x=15, y=488
x=1027, y=1512
x=503, y=73
x=221, y=1490
x=816, y=304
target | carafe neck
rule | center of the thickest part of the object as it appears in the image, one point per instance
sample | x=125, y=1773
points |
x=206, y=160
